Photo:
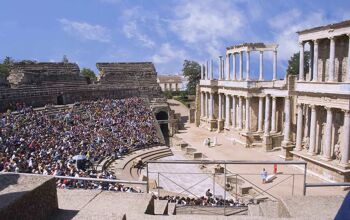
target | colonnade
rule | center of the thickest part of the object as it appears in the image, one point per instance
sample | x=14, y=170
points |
x=231, y=110
x=327, y=137
x=314, y=57
x=228, y=67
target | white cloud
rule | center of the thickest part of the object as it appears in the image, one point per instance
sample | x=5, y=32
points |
x=86, y=31
x=130, y=30
x=167, y=53
x=285, y=25
x=207, y=23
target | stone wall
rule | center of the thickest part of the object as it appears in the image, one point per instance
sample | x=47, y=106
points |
x=3, y=81
x=38, y=84
x=27, y=196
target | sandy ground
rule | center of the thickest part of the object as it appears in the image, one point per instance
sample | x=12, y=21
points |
x=290, y=175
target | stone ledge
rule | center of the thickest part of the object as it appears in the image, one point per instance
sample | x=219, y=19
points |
x=319, y=162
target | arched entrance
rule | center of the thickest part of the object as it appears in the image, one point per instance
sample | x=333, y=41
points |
x=60, y=100
x=162, y=118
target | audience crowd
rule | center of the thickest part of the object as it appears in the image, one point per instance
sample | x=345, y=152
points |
x=201, y=201
x=53, y=144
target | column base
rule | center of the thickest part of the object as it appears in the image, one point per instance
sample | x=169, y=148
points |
x=344, y=166
x=325, y=158
x=267, y=142
x=220, y=125
x=287, y=147
x=311, y=153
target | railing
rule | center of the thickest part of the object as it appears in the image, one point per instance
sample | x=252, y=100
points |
x=221, y=179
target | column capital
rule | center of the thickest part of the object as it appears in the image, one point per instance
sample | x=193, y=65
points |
x=316, y=41
x=328, y=108
x=301, y=43
x=313, y=107
x=261, y=51
x=346, y=112
x=331, y=37
x=273, y=97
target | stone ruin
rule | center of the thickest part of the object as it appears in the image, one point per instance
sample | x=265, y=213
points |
x=39, y=84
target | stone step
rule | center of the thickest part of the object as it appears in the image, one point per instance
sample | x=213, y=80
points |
x=160, y=207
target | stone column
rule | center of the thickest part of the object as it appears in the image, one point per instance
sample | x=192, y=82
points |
x=301, y=62
x=247, y=114
x=286, y=119
x=228, y=115
x=227, y=67
x=202, y=71
x=348, y=66
x=328, y=135
x=312, y=131
x=274, y=71
x=207, y=70
x=307, y=120
x=267, y=115
x=240, y=65
x=207, y=104
x=311, y=61
x=346, y=139
x=331, y=60
x=202, y=104
x=233, y=111
x=273, y=115
x=261, y=66
x=234, y=66
x=315, y=68
x=220, y=67
x=211, y=69
x=240, y=113
x=220, y=107
x=211, y=106
x=299, y=128
x=260, y=116
x=247, y=78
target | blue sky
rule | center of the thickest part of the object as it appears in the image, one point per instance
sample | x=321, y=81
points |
x=165, y=32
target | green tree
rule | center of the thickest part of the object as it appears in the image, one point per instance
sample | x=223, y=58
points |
x=293, y=63
x=5, y=66
x=191, y=70
x=89, y=74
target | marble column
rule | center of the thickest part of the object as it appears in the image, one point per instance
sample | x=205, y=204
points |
x=247, y=78
x=267, y=115
x=220, y=67
x=227, y=69
x=211, y=69
x=202, y=71
x=328, y=135
x=234, y=66
x=227, y=112
x=211, y=106
x=220, y=107
x=307, y=120
x=286, y=119
x=207, y=70
x=240, y=113
x=315, y=68
x=233, y=111
x=260, y=115
x=240, y=65
x=346, y=139
x=274, y=70
x=348, y=65
x=299, y=128
x=247, y=114
x=301, y=62
x=261, y=66
x=207, y=105
x=202, y=104
x=312, y=131
x=331, y=60
x=311, y=61
x=273, y=115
